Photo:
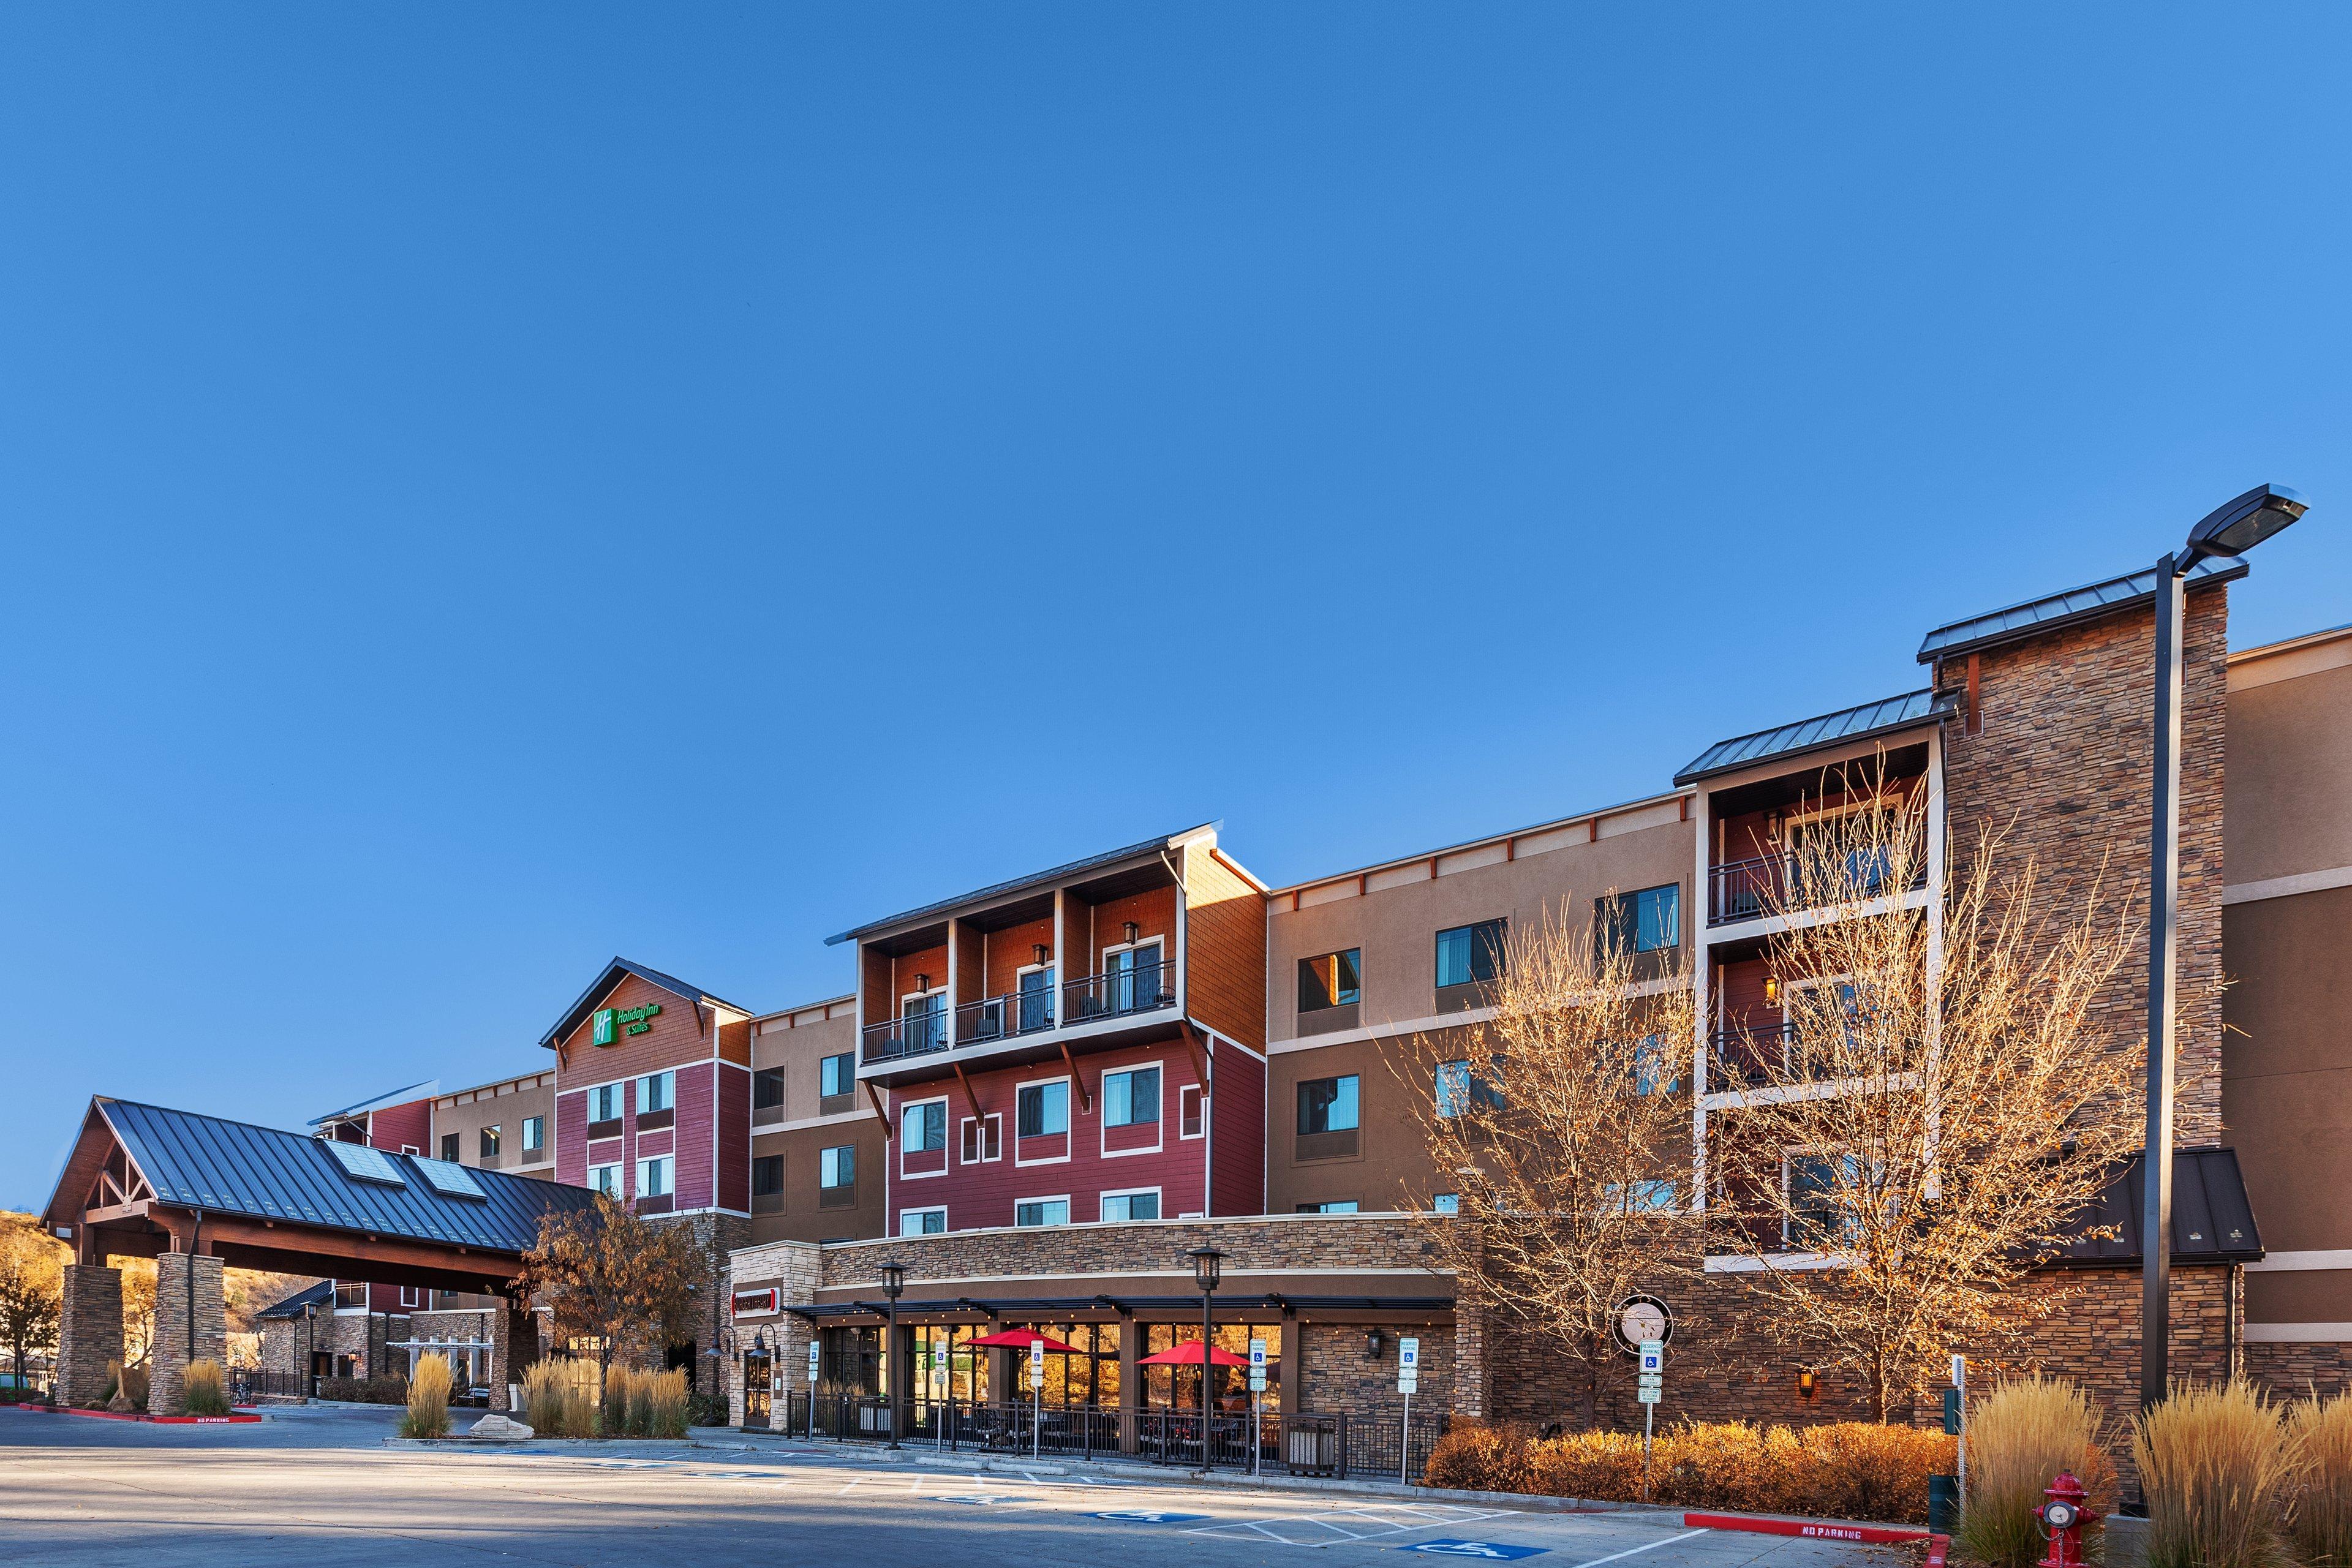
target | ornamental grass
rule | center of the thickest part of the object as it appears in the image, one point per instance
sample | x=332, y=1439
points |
x=1846, y=1470
x=557, y=1400
x=203, y=1389
x=2019, y=1436
x=428, y=1399
x=2319, y=1448
x=2215, y=1465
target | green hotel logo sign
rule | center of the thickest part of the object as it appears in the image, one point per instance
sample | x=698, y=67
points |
x=632, y=1020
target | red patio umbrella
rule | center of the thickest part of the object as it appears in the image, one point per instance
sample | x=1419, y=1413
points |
x=1014, y=1340
x=1188, y=1354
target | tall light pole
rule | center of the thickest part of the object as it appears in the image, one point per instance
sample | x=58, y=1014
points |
x=1207, y=1267
x=2232, y=529
x=894, y=1280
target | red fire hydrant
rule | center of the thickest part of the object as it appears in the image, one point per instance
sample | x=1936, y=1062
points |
x=2061, y=1520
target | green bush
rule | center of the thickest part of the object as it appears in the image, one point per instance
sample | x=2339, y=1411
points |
x=389, y=1389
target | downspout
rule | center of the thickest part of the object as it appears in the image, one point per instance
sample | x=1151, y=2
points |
x=196, y=1245
x=2230, y=1372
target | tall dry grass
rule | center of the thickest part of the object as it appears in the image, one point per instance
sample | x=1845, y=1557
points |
x=203, y=1389
x=428, y=1399
x=2020, y=1437
x=666, y=1404
x=644, y=1403
x=558, y=1400
x=2215, y=1465
x=2319, y=1445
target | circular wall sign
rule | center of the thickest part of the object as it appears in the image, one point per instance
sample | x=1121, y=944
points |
x=1641, y=1318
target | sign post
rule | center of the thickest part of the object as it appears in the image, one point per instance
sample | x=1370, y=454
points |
x=815, y=1352
x=1959, y=1423
x=1257, y=1400
x=1037, y=1392
x=1653, y=1381
x=1408, y=1379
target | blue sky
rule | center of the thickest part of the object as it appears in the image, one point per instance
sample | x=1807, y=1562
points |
x=486, y=488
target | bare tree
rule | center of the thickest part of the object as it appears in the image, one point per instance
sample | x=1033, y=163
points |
x=1935, y=1115
x=32, y=1288
x=612, y=1280
x=1563, y=1125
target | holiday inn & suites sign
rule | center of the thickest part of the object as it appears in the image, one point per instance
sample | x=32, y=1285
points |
x=632, y=1020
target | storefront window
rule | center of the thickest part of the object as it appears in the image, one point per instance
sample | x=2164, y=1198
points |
x=1179, y=1387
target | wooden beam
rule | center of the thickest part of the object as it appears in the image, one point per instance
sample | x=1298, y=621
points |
x=1200, y=1059
x=970, y=1098
x=879, y=1109
x=233, y=1236
x=1086, y=1100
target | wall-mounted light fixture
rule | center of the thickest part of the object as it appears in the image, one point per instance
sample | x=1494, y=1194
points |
x=1037, y=953
x=1374, y=1340
x=1808, y=1385
x=1133, y=930
x=922, y=983
x=1772, y=990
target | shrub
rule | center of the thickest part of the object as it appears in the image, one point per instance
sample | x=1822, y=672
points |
x=428, y=1400
x=203, y=1390
x=557, y=1400
x=2319, y=1443
x=389, y=1389
x=707, y=1409
x=1848, y=1470
x=2020, y=1437
x=2213, y=1463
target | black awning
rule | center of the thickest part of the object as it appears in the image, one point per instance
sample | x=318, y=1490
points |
x=2212, y=1220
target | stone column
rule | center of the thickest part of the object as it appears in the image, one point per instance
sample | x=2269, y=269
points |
x=90, y=1332
x=177, y=1274
x=1469, y=1359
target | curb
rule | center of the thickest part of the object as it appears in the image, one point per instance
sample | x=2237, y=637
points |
x=1939, y=1545
x=239, y=1420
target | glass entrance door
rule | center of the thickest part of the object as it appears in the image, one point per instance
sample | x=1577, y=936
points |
x=758, y=1375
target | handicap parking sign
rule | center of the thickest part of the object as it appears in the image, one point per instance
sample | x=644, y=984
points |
x=1146, y=1516
x=1492, y=1550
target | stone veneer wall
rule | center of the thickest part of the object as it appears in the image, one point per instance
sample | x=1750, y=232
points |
x=1335, y=1374
x=286, y=1342
x=2299, y=1370
x=798, y=1267
x=1280, y=1243
x=716, y=1236
x=177, y=1275
x=2062, y=769
x=89, y=1332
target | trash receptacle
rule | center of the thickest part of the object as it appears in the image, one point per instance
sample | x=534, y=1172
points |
x=1943, y=1504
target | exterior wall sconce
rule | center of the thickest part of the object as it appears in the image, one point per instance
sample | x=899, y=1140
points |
x=922, y=983
x=1373, y=1341
x=1772, y=990
x=1133, y=930
x=1037, y=953
x=1808, y=1385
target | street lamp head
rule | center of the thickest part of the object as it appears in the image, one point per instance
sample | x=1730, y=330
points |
x=1208, y=1267
x=894, y=1280
x=2237, y=526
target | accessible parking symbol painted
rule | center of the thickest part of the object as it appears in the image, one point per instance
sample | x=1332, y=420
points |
x=1146, y=1516
x=1490, y=1551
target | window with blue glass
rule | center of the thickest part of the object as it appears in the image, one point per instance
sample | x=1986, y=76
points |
x=1469, y=954
x=1043, y=1109
x=1036, y=1001
x=926, y=1127
x=1131, y=1098
x=1647, y=920
x=1333, y=980
x=1459, y=1088
x=836, y=1075
x=1327, y=1104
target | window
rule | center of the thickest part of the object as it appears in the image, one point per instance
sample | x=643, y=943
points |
x=534, y=1134
x=654, y=1091
x=1469, y=954
x=983, y=1138
x=922, y=1222
x=1045, y=1108
x=1131, y=977
x=449, y=1147
x=767, y=1175
x=925, y=1126
x=1326, y=1104
x=605, y=1102
x=1188, y=1110
x=605, y=1179
x=1458, y=1088
x=1333, y=980
x=1641, y=1197
x=1445, y=1202
x=1042, y=1211
x=1131, y=1206
x=1036, y=998
x=1131, y=1098
x=410, y=1296
x=1652, y=1073
x=1344, y=1206
x=837, y=1167
x=923, y=1020
x=1645, y=921
x=767, y=1088
x=490, y=1143
x=836, y=1075
x=653, y=1177
x=1816, y=1213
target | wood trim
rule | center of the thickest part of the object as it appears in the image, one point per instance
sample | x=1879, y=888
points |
x=1086, y=1098
x=969, y=1097
x=1975, y=725
x=1193, y=1044
x=880, y=1112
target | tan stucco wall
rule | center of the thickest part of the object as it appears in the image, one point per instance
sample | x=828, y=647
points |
x=2289, y=772
x=504, y=1107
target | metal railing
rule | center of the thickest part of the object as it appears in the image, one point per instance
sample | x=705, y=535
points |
x=1119, y=993
x=1767, y=884
x=897, y=1038
x=248, y=1384
x=1305, y=1444
x=1003, y=1018
x=1737, y=1054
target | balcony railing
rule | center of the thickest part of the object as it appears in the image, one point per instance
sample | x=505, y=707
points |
x=1738, y=1054
x=896, y=1040
x=1002, y=1017
x=1119, y=993
x=1768, y=884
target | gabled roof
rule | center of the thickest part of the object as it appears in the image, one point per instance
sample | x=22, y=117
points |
x=2213, y=1222
x=2051, y=611
x=322, y=1294
x=236, y=1168
x=611, y=977
x=1884, y=717
x=426, y=1089
x=1037, y=880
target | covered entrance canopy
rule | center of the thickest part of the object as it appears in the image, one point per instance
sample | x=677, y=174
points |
x=143, y=1181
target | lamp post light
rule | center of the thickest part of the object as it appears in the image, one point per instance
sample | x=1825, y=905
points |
x=1207, y=1267
x=2230, y=529
x=894, y=1280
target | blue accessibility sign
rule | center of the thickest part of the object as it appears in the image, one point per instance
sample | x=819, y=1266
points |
x=1492, y=1550
x=1147, y=1516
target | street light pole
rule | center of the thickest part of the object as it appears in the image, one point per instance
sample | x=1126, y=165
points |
x=894, y=1280
x=2230, y=529
x=1208, y=1267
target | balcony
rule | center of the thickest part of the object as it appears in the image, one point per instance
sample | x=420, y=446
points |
x=897, y=1039
x=1769, y=885
x=1004, y=1017
x=1735, y=1055
x=1121, y=992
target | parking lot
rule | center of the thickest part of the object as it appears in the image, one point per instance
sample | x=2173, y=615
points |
x=316, y=1486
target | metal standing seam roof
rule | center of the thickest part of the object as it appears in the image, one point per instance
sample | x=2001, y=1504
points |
x=2052, y=611
x=422, y=1088
x=236, y=1168
x=998, y=889
x=1848, y=724
x=2212, y=1220
x=319, y=1295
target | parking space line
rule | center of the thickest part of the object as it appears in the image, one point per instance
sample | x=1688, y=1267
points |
x=1630, y=1552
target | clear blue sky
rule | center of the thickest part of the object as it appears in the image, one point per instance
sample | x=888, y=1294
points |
x=488, y=488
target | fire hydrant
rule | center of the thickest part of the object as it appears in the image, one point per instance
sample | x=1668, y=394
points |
x=2062, y=1520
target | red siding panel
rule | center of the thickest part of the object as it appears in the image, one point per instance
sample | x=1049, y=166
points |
x=1237, y=1131
x=734, y=1187
x=571, y=1139
x=697, y=1113
x=397, y=1127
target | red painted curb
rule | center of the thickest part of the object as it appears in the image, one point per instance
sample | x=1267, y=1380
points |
x=134, y=1416
x=1868, y=1534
